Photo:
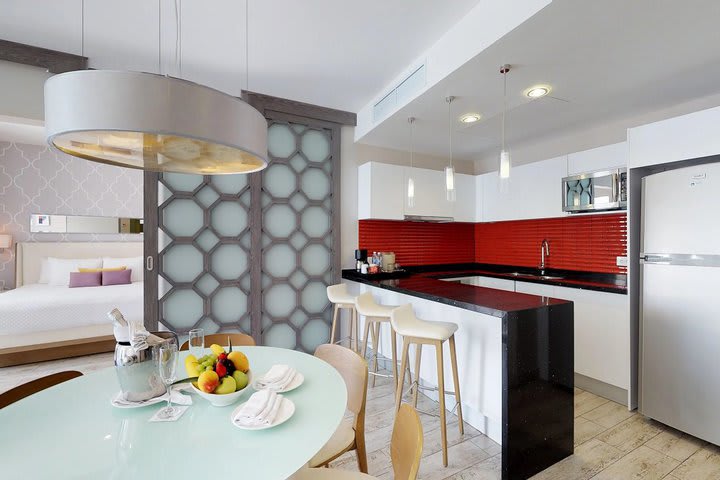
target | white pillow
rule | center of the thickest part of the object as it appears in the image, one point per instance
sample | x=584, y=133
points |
x=59, y=268
x=44, y=271
x=135, y=263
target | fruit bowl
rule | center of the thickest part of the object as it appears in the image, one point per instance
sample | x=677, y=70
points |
x=223, y=400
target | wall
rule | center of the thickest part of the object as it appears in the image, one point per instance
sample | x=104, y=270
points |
x=36, y=179
x=588, y=243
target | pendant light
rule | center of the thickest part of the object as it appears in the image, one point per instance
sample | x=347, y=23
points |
x=410, y=181
x=450, y=169
x=505, y=162
x=153, y=122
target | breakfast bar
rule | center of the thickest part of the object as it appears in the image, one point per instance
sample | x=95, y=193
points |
x=515, y=360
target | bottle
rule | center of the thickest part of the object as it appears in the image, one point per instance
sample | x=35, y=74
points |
x=380, y=260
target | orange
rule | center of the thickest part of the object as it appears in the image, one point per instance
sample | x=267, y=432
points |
x=239, y=360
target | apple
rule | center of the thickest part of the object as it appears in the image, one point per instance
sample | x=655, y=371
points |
x=208, y=381
x=241, y=379
x=227, y=385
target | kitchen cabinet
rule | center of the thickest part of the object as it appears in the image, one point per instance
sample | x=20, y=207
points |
x=539, y=289
x=430, y=194
x=465, y=207
x=381, y=192
x=601, y=158
x=532, y=191
x=491, y=282
x=680, y=138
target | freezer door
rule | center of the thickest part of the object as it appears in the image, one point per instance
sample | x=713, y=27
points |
x=680, y=348
x=681, y=211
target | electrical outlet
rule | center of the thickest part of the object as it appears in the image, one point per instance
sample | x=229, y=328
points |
x=621, y=261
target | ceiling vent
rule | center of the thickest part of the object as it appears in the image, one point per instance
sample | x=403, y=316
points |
x=401, y=94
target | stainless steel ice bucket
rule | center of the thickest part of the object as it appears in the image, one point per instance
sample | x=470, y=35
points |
x=137, y=372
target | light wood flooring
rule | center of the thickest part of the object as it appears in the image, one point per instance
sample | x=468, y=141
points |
x=610, y=442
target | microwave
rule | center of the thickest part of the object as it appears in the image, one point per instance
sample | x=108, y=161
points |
x=593, y=191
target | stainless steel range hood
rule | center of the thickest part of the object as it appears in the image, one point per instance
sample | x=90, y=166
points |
x=428, y=219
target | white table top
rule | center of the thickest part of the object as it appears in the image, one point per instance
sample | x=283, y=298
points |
x=72, y=431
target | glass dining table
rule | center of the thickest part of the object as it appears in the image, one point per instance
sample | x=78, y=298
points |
x=71, y=430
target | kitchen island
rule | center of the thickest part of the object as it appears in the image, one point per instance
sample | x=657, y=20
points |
x=515, y=361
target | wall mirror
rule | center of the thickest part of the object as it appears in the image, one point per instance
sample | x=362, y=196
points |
x=46, y=223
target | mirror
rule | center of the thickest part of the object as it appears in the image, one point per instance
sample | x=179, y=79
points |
x=44, y=223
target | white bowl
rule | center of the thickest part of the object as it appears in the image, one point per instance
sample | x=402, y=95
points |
x=224, y=400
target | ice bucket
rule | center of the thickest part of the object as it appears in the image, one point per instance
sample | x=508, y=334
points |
x=137, y=371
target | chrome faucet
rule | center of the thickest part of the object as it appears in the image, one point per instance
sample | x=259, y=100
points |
x=544, y=251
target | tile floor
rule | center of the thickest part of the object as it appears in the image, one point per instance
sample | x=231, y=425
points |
x=610, y=442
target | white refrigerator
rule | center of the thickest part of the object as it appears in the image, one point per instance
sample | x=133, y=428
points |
x=680, y=300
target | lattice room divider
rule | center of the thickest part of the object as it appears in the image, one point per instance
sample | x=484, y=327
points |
x=253, y=253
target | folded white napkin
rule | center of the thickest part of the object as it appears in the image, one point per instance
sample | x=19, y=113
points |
x=176, y=397
x=277, y=378
x=260, y=409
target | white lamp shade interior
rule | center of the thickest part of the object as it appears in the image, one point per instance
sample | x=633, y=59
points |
x=5, y=240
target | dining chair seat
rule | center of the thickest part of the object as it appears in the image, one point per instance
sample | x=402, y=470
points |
x=339, y=294
x=330, y=474
x=342, y=441
x=425, y=329
x=367, y=306
x=222, y=339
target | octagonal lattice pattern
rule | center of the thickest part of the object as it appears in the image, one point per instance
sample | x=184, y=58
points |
x=297, y=236
x=204, y=259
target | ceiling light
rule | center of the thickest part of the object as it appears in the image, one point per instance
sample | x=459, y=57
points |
x=505, y=162
x=470, y=118
x=537, y=91
x=153, y=122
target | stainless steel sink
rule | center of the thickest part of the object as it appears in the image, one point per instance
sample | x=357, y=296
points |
x=535, y=275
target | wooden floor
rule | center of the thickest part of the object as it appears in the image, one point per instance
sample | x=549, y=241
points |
x=610, y=442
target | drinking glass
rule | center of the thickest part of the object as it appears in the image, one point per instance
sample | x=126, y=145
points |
x=167, y=368
x=196, y=343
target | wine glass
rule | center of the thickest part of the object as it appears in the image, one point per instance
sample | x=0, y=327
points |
x=196, y=343
x=167, y=368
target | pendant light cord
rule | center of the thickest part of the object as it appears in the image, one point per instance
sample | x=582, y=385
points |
x=411, y=121
x=159, y=37
x=178, y=37
x=82, y=28
x=504, y=70
x=247, y=45
x=450, y=129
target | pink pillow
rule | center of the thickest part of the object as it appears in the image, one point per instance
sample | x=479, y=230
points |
x=120, y=277
x=84, y=279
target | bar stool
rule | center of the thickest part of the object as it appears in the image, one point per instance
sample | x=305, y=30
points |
x=375, y=315
x=422, y=332
x=341, y=298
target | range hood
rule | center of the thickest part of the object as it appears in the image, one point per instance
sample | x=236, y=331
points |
x=428, y=219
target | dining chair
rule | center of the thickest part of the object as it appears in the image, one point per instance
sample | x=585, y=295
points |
x=406, y=449
x=350, y=434
x=238, y=340
x=37, y=385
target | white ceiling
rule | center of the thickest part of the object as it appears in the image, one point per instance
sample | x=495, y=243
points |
x=327, y=52
x=606, y=61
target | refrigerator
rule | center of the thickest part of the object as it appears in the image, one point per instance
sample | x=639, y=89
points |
x=680, y=300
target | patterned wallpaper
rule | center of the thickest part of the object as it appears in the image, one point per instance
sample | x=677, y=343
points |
x=37, y=179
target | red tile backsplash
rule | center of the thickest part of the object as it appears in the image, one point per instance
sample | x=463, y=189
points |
x=588, y=243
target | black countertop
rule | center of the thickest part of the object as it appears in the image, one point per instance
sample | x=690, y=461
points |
x=425, y=282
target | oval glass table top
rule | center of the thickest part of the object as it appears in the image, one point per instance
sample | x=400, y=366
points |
x=72, y=431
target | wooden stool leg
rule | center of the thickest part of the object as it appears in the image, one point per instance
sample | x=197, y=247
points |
x=393, y=340
x=441, y=400
x=334, y=323
x=356, y=321
x=418, y=356
x=401, y=380
x=456, y=381
x=374, y=328
x=365, y=339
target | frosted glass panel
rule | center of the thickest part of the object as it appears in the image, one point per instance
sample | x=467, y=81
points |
x=315, y=222
x=280, y=335
x=315, y=184
x=280, y=181
x=182, y=263
x=185, y=308
x=314, y=333
x=229, y=219
x=280, y=301
x=207, y=284
x=279, y=261
x=181, y=182
x=314, y=297
x=280, y=221
x=182, y=218
x=229, y=304
x=230, y=184
x=281, y=140
x=315, y=145
x=229, y=262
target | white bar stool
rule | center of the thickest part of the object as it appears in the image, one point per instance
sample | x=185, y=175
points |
x=375, y=315
x=341, y=298
x=422, y=332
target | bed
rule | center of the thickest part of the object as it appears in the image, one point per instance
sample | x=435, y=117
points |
x=45, y=322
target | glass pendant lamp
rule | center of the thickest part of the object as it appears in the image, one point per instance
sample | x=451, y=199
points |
x=450, y=170
x=410, y=181
x=505, y=161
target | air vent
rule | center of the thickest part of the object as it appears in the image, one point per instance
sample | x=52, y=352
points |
x=401, y=94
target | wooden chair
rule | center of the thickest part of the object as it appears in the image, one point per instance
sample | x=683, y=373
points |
x=405, y=452
x=238, y=340
x=350, y=435
x=37, y=385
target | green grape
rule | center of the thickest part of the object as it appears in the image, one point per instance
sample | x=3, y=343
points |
x=208, y=369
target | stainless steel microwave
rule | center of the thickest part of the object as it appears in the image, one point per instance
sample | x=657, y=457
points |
x=604, y=190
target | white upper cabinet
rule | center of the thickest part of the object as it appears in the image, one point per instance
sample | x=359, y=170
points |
x=532, y=191
x=430, y=194
x=381, y=192
x=465, y=208
x=124, y=35
x=601, y=158
x=681, y=138
x=55, y=24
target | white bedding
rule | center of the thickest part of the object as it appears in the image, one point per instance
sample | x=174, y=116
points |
x=38, y=308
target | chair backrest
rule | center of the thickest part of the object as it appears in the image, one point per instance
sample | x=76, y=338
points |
x=37, y=385
x=238, y=340
x=403, y=318
x=337, y=293
x=354, y=370
x=406, y=445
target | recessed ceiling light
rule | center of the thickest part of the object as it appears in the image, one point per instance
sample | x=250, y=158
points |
x=470, y=118
x=537, y=91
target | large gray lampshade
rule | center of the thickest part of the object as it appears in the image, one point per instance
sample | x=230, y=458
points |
x=153, y=122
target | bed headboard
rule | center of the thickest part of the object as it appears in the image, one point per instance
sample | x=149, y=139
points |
x=29, y=255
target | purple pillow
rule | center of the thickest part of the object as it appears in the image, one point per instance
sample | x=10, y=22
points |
x=120, y=277
x=84, y=279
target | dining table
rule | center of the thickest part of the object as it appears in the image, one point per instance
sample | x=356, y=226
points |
x=72, y=431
